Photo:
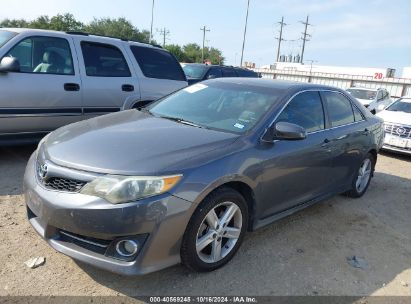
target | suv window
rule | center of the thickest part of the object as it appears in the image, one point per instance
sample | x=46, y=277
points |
x=384, y=94
x=157, y=63
x=380, y=95
x=246, y=73
x=229, y=72
x=339, y=109
x=46, y=55
x=214, y=73
x=104, y=60
x=305, y=110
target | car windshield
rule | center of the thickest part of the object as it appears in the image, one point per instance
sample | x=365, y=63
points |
x=222, y=106
x=362, y=94
x=401, y=105
x=6, y=36
x=195, y=70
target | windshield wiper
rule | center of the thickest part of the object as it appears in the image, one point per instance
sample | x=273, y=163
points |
x=182, y=121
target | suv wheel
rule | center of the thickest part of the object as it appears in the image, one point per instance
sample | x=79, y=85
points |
x=363, y=177
x=215, y=231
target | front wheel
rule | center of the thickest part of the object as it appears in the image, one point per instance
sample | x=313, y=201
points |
x=215, y=231
x=362, y=179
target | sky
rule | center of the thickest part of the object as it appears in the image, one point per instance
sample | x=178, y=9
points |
x=363, y=33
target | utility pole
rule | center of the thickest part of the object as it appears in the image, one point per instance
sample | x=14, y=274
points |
x=304, y=38
x=164, y=32
x=280, y=39
x=152, y=19
x=204, y=29
x=245, y=32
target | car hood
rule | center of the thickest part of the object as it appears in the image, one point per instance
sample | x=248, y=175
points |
x=395, y=117
x=131, y=142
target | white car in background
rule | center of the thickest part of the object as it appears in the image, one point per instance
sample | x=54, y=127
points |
x=397, y=125
x=375, y=100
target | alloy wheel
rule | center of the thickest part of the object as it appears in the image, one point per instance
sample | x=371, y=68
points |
x=219, y=232
x=364, y=175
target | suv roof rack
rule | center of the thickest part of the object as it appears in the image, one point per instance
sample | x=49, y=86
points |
x=106, y=36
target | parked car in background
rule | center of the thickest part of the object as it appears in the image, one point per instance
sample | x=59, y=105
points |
x=196, y=72
x=375, y=100
x=397, y=125
x=184, y=178
x=49, y=79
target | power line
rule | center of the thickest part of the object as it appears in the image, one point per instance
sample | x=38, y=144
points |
x=204, y=29
x=304, y=38
x=280, y=38
x=164, y=32
x=245, y=32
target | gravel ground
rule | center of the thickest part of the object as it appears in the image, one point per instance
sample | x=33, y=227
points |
x=303, y=254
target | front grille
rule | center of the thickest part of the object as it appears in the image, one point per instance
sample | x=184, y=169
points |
x=398, y=130
x=63, y=184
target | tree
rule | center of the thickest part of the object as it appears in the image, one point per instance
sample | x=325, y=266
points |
x=192, y=52
x=214, y=55
x=177, y=51
x=120, y=27
x=65, y=23
x=13, y=23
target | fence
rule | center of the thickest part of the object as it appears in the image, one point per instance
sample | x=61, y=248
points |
x=396, y=86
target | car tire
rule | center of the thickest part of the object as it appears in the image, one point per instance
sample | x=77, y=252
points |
x=220, y=237
x=362, y=177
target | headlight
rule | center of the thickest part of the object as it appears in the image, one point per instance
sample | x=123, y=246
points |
x=119, y=189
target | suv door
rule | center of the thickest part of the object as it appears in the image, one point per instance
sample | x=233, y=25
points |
x=45, y=94
x=108, y=81
x=296, y=171
x=159, y=72
x=350, y=137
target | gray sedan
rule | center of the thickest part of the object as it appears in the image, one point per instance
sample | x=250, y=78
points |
x=184, y=179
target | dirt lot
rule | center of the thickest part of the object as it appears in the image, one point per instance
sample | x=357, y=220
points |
x=304, y=254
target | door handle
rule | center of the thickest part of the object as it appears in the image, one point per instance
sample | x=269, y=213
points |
x=127, y=88
x=326, y=143
x=71, y=87
x=366, y=131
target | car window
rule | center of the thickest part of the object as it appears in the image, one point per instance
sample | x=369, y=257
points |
x=104, y=60
x=6, y=36
x=214, y=73
x=358, y=116
x=305, y=110
x=385, y=94
x=246, y=73
x=217, y=105
x=43, y=55
x=157, y=63
x=339, y=109
x=229, y=72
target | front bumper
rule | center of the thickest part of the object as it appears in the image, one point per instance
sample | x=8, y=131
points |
x=158, y=222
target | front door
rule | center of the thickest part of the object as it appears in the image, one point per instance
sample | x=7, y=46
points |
x=296, y=171
x=46, y=93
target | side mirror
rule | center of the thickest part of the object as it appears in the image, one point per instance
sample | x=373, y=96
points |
x=9, y=64
x=211, y=76
x=286, y=131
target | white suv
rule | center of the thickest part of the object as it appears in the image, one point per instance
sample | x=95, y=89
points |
x=49, y=79
x=375, y=100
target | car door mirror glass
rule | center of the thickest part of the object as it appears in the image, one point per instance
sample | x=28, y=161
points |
x=9, y=64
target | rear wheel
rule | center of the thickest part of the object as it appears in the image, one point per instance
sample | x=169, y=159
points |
x=215, y=231
x=363, y=177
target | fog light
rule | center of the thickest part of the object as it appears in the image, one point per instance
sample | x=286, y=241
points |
x=126, y=248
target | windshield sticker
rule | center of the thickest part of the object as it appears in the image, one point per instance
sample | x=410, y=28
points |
x=195, y=88
x=239, y=126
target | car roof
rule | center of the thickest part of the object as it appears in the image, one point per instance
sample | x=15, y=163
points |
x=273, y=83
x=363, y=89
x=216, y=65
x=74, y=33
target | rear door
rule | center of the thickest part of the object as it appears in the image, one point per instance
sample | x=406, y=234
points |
x=350, y=136
x=107, y=76
x=46, y=93
x=159, y=72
